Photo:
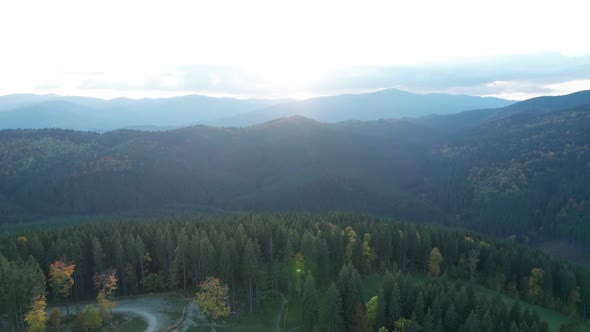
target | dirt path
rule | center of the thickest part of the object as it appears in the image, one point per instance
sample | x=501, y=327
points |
x=158, y=311
x=149, y=318
x=281, y=312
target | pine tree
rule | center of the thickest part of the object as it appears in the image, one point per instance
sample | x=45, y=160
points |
x=395, y=309
x=251, y=269
x=349, y=286
x=451, y=319
x=309, y=301
x=487, y=323
x=436, y=309
x=180, y=261
x=427, y=323
x=384, y=299
x=419, y=307
x=98, y=255
x=331, y=310
x=514, y=328
x=472, y=323
x=515, y=312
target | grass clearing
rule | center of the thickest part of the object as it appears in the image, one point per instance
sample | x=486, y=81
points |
x=372, y=283
x=263, y=320
x=553, y=318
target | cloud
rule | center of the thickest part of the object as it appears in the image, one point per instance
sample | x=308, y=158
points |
x=518, y=77
x=526, y=73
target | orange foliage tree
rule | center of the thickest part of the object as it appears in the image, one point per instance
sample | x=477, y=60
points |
x=61, y=280
x=106, y=283
x=212, y=298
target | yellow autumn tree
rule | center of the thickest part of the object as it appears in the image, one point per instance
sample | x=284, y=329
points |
x=368, y=253
x=350, y=243
x=402, y=325
x=106, y=283
x=36, y=317
x=212, y=298
x=60, y=274
x=434, y=262
x=535, y=280
x=575, y=298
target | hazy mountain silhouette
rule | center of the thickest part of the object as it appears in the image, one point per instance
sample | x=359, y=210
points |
x=385, y=104
x=83, y=113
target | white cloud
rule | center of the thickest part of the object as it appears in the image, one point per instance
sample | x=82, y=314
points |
x=288, y=46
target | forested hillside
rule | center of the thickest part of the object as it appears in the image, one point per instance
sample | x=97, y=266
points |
x=321, y=260
x=522, y=174
x=288, y=164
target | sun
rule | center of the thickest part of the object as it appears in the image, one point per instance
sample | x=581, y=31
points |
x=292, y=79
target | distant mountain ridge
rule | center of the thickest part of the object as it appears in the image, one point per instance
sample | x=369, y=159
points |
x=385, y=104
x=85, y=113
x=29, y=111
x=533, y=106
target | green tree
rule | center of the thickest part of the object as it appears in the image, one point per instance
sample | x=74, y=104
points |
x=251, y=267
x=349, y=286
x=180, y=261
x=98, y=255
x=310, y=304
x=451, y=319
x=395, y=306
x=331, y=310
x=472, y=323
x=427, y=323
x=419, y=307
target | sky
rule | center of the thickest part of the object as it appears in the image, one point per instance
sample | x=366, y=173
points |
x=293, y=49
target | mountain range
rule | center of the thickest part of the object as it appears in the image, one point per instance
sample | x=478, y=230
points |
x=518, y=170
x=84, y=113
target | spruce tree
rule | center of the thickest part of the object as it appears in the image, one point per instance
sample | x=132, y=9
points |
x=331, y=310
x=395, y=310
x=310, y=304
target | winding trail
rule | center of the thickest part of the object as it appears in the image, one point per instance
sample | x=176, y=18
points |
x=150, y=319
x=281, y=312
x=151, y=309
